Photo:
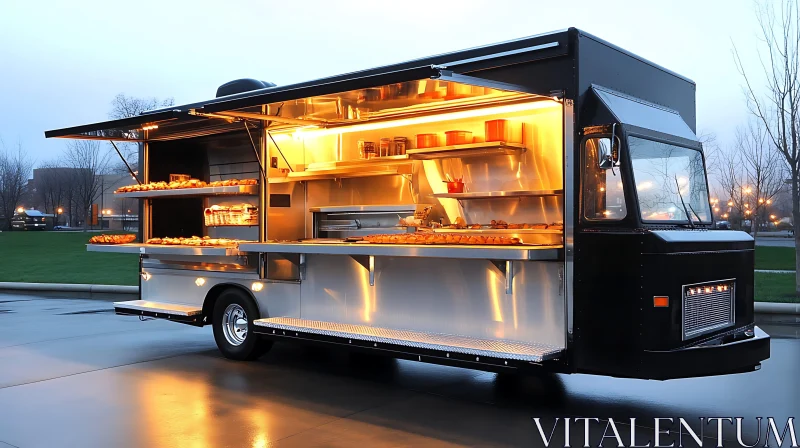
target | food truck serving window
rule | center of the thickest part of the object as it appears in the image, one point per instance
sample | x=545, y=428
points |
x=670, y=181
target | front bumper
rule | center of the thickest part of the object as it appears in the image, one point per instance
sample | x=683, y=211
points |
x=739, y=356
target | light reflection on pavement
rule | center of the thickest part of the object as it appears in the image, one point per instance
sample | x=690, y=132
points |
x=74, y=374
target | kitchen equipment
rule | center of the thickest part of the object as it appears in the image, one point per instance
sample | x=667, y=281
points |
x=458, y=137
x=427, y=140
x=503, y=131
x=496, y=130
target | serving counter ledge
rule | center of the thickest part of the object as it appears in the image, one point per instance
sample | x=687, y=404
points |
x=160, y=249
x=521, y=252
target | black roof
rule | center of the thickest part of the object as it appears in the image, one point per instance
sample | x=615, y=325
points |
x=552, y=44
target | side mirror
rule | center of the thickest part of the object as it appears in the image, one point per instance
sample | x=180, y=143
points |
x=607, y=152
x=608, y=149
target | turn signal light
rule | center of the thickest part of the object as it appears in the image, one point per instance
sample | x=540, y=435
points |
x=660, y=301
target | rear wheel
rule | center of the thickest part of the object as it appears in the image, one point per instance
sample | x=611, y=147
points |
x=232, y=321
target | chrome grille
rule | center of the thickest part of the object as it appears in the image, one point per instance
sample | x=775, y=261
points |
x=707, y=307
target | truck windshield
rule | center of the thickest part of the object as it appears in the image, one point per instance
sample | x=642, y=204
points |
x=670, y=181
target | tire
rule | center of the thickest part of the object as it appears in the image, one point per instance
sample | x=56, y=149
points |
x=232, y=339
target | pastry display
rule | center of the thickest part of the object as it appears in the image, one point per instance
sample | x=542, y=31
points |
x=187, y=183
x=499, y=224
x=234, y=215
x=442, y=238
x=193, y=241
x=112, y=239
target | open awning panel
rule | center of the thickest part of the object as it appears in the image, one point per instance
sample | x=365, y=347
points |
x=636, y=112
x=391, y=95
x=404, y=93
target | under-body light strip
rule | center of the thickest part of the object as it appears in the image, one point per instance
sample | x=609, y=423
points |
x=506, y=109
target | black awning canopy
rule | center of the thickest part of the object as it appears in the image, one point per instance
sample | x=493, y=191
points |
x=403, y=93
x=124, y=129
x=158, y=126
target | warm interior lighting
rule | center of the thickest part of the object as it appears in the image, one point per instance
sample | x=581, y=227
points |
x=312, y=132
x=660, y=301
x=200, y=281
x=257, y=286
x=150, y=127
x=146, y=276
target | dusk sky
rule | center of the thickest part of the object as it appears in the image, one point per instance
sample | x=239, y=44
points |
x=63, y=62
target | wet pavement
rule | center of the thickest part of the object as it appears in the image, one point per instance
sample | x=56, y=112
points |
x=73, y=374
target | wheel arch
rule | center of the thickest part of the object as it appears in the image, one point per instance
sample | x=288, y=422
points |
x=216, y=291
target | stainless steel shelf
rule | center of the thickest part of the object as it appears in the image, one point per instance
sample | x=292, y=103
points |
x=500, y=194
x=360, y=170
x=366, y=208
x=410, y=250
x=470, y=150
x=242, y=190
x=159, y=249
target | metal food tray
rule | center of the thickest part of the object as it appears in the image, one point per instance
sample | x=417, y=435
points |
x=184, y=192
x=161, y=249
x=518, y=252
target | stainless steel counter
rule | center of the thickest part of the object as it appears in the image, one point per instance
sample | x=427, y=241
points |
x=158, y=249
x=542, y=253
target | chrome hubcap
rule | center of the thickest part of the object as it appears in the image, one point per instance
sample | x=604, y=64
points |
x=234, y=324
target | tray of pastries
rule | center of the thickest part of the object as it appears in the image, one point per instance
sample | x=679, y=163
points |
x=439, y=238
x=499, y=224
x=112, y=239
x=194, y=241
x=186, y=183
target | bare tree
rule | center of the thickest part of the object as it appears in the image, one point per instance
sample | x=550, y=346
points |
x=775, y=104
x=123, y=106
x=15, y=169
x=764, y=172
x=52, y=183
x=751, y=175
x=89, y=161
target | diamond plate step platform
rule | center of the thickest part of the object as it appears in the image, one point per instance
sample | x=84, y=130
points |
x=170, y=311
x=445, y=343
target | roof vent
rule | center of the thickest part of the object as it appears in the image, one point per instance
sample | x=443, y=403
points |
x=242, y=85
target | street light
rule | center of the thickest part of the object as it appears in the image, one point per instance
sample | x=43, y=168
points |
x=20, y=209
x=747, y=190
x=716, y=209
x=730, y=203
x=772, y=217
x=761, y=200
x=725, y=215
x=769, y=201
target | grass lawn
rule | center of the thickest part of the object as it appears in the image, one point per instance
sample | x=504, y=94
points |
x=775, y=287
x=768, y=257
x=61, y=257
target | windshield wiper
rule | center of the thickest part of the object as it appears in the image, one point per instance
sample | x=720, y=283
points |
x=685, y=210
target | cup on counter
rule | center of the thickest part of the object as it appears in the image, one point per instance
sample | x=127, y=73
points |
x=455, y=186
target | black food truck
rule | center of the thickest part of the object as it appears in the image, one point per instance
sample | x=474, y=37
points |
x=537, y=204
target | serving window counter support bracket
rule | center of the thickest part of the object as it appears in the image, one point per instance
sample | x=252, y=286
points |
x=534, y=205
